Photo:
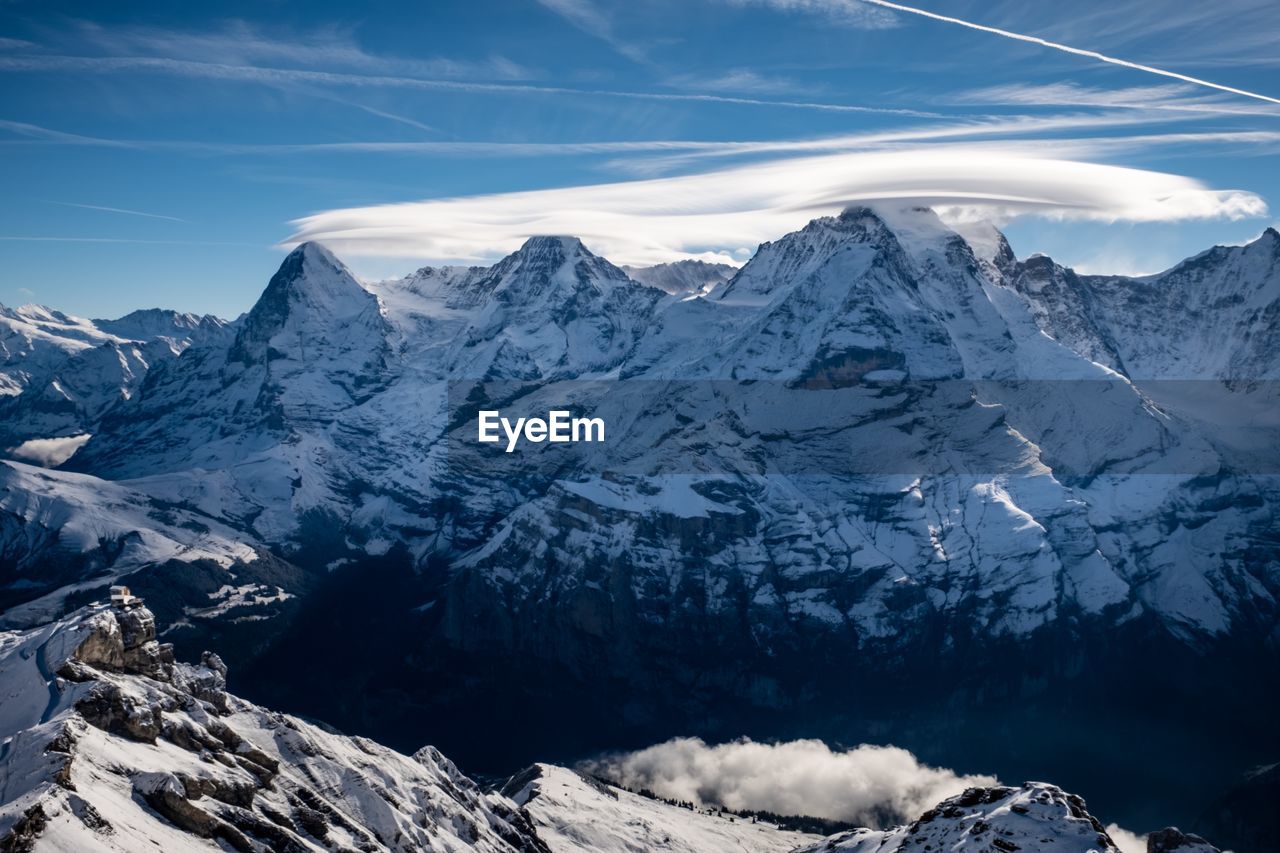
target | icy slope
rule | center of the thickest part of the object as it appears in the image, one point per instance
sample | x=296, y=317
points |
x=62, y=532
x=111, y=745
x=1034, y=817
x=573, y=812
x=1213, y=316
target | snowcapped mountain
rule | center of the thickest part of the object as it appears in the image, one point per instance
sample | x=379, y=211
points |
x=683, y=278
x=184, y=330
x=60, y=373
x=884, y=448
x=109, y=743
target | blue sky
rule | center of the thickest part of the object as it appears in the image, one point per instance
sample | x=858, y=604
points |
x=165, y=154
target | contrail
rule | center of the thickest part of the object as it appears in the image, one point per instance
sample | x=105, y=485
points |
x=1092, y=54
x=117, y=210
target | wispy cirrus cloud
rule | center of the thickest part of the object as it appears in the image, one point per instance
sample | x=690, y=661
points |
x=713, y=214
x=735, y=80
x=650, y=157
x=591, y=19
x=239, y=42
x=273, y=76
x=850, y=13
x=1174, y=97
x=37, y=133
x=1242, y=32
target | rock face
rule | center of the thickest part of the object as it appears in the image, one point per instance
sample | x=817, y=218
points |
x=126, y=725
x=1173, y=840
x=683, y=278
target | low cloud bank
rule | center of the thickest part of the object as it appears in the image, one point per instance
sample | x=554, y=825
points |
x=869, y=785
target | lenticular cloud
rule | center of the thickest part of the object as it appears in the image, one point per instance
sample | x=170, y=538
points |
x=722, y=214
x=868, y=785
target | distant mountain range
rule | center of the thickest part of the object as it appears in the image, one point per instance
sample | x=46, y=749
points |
x=886, y=482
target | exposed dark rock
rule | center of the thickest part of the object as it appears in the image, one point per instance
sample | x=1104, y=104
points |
x=1173, y=840
x=119, y=712
x=165, y=793
x=22, y=837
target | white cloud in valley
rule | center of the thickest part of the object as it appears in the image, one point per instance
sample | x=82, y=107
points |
x=49, y=452
x=1128, y=842
x=714, y=214
x=868, y=785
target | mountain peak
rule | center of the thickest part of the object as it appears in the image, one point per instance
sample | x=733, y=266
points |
x=311, y=250
x=313, y=275
x=552, y=242
x=312, y=287
x=545, y=260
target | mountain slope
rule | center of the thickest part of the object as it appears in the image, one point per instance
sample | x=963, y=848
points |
x=111, y=745
x=573, y=812
x=1212, y=316
x=60, y=373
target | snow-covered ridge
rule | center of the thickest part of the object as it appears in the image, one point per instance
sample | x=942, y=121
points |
x=109, y=744
x=683, y=278
x=69, y=370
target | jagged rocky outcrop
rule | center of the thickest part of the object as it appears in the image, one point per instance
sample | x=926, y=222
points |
x=1035, y=816
x=124, y=748
x=1173, y=840
x=1212, y=316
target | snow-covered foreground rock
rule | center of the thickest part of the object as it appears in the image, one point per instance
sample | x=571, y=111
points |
x=109, y=744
